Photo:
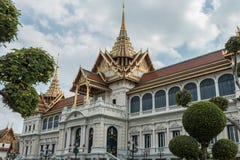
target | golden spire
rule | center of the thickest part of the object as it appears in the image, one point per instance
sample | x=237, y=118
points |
x=123, y=31
x=123, y=47
x=54, y=89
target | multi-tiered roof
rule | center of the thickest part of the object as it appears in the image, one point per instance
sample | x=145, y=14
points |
x=121, y=63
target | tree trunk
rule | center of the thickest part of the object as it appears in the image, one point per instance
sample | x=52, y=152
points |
x=235, y=70
x=204, y=151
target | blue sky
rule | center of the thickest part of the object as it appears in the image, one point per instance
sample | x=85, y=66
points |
x=172, y=31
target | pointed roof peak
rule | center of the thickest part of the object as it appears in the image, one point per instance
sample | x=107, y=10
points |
x=123, y=31
x=54, y=88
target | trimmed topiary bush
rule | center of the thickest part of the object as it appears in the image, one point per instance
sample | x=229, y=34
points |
x=233, y=44
x=184, y=147
x=183, y=97
x=221, y=102
x=224, y=149
x=203, y=121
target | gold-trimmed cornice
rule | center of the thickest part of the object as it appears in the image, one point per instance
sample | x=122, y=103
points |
x=224, y=62
x=185, y=75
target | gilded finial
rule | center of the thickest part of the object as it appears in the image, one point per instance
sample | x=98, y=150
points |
x=57, y=59
x=123, y=31
x=238, y=31
x=123, y=27
x=7, y=125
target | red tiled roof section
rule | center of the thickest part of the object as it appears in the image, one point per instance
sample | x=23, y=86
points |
x=68, y=102
x=93, y=76
x=203, y=60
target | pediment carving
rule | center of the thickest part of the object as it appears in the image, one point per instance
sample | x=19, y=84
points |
x=75, y=115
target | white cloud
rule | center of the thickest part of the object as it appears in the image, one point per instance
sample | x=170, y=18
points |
x=158, y=64
x=10, y=119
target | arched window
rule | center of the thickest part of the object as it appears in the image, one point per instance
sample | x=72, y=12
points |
x=50, y=122
x=78, y=137
x=171, y=95
x=226, y=85
x=192, y=88
x=44, y=124
x=160, y=99
x=56, y=120
x=90, y=140
x=207, y=89
x=135, y=104
x=112, y=137
x=147, y=101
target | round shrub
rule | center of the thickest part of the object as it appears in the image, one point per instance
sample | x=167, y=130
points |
x=184, y=147
x=224, y=149
x=183, y=97
x=233, y=44
x=203, y=121
x=8, y=21
x=221, y=102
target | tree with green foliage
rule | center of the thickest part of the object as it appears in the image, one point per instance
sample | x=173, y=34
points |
x=199, y=120
x=19, y=72
x=184, y=147
x=224, y=149
x=9, y=21
x=183, y=97
x=222, y=103
x=21, y=69
x=233, y=47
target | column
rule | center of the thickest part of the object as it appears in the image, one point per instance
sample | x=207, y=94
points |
x=167, y=100
x=87, y=93
x=153, y=102
x=83, y=135
x=21, y=148
x=35, y=146
x=167, y=135
x=198, y=92
x=216, y=87
x=61, y=142
x=141, y=111
x=140, y=138
x=76, y=95
x=68, y=141
x=154, y=139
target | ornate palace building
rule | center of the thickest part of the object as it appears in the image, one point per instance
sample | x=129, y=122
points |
x=9, y=143
x=123, y=107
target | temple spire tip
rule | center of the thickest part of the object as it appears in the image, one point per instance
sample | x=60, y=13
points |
x=123, y=31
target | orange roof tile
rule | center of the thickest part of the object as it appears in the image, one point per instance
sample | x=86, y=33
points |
x=68, y=102
x=189, y=64
x=93, y=76
x=199, y=66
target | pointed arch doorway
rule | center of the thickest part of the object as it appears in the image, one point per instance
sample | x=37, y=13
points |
x=112, y=136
